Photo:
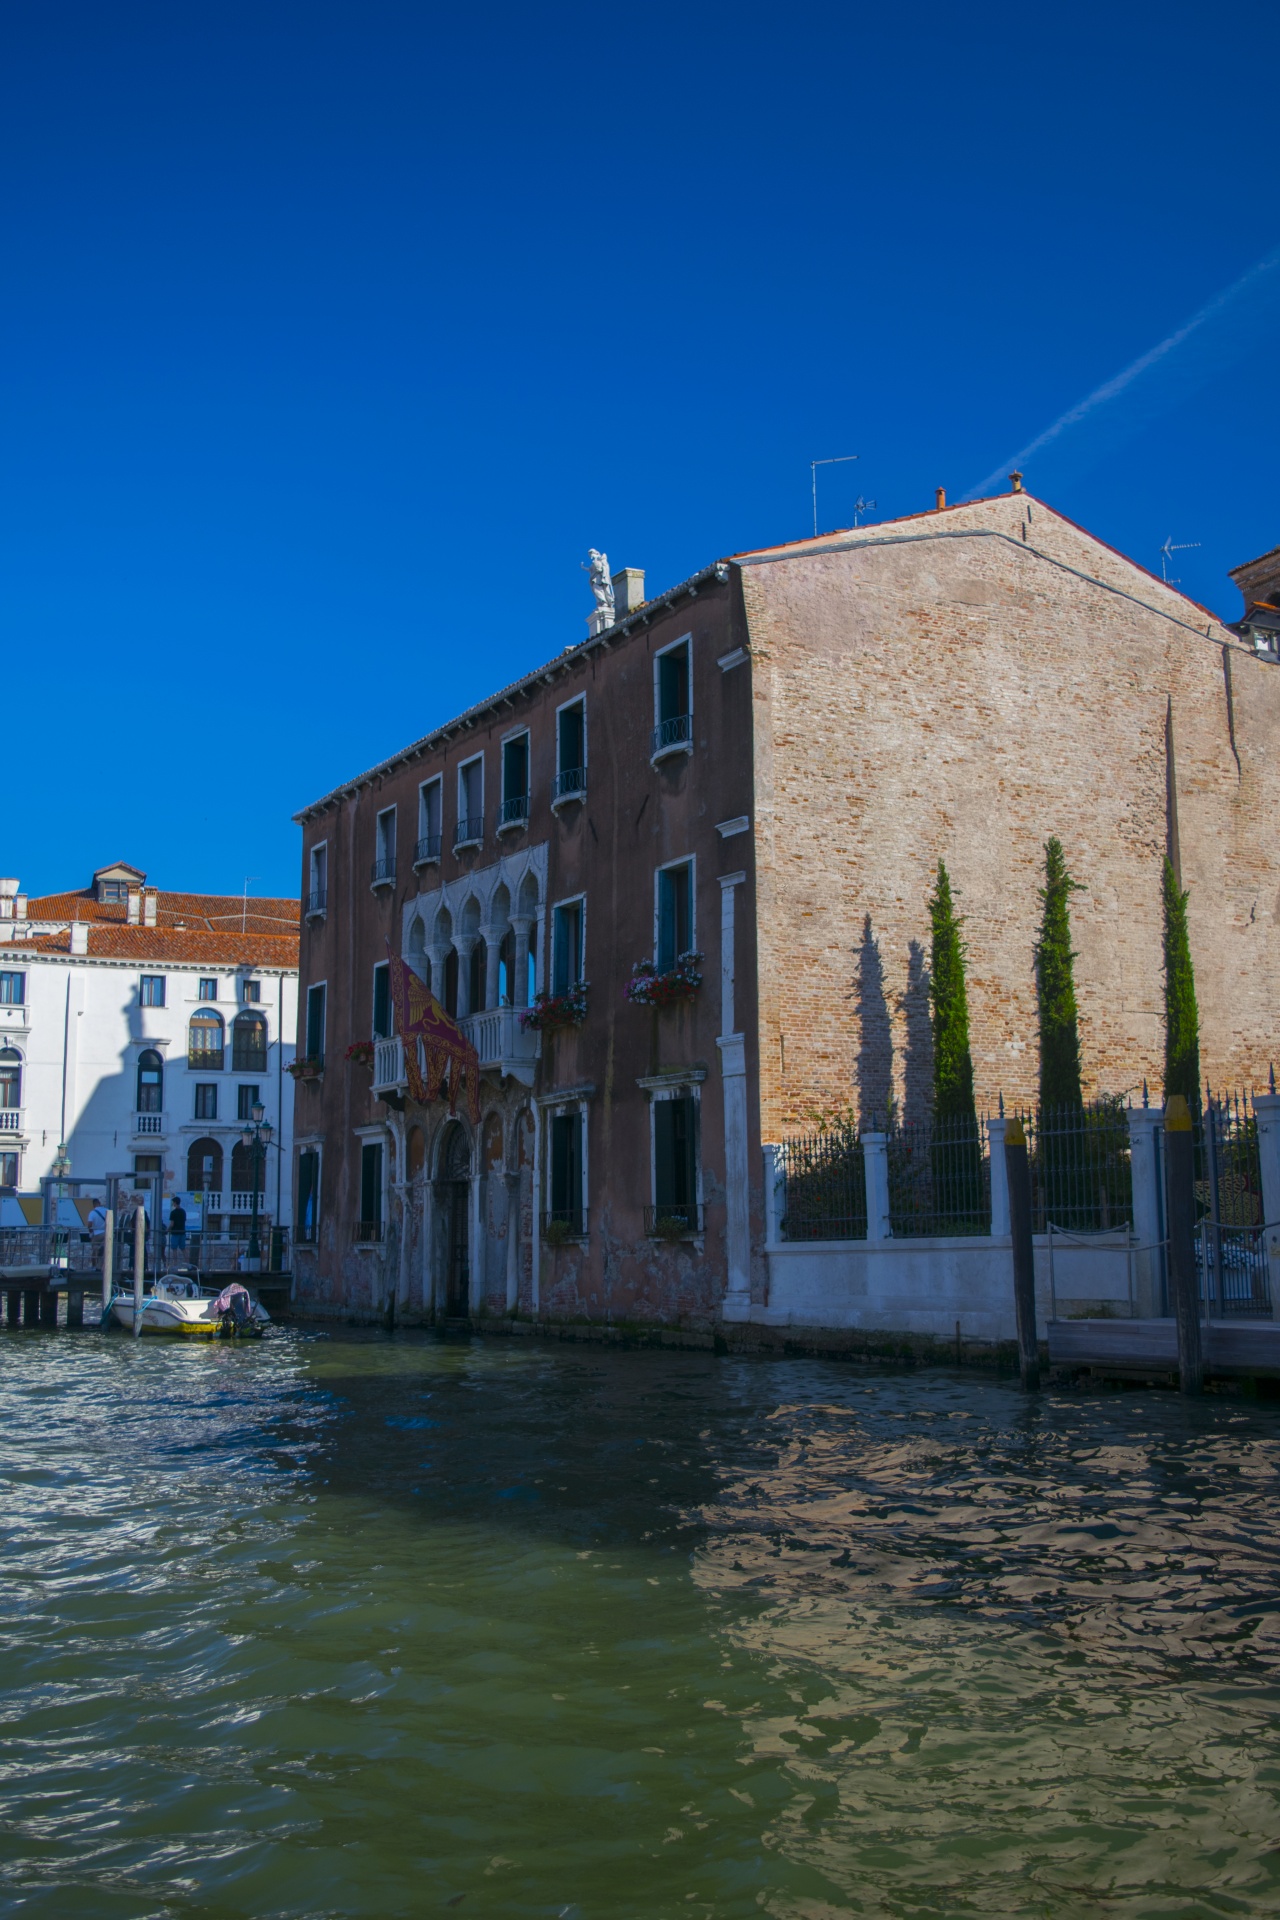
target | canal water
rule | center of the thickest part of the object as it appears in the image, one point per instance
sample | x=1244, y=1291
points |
x=340, y=1624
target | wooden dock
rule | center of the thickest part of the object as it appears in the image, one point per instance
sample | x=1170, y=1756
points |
x=1148, y=1349
x=53, y=1297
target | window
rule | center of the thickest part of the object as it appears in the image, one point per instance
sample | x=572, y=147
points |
x=153, y=989
x=208, y=990
x=507, y=968
x=147, y=1163
x=384, y=860
x=251, y=991
x=318, y=888
x=247, y=1098
x=248, y=1166
x=370, y=1227
x=207, y=1101
x=514, y=811
x=566, y=946
x=477, y=978
x=205, y=1042
x=13, y=989
x=114, y=892
x=565, y=1171
x=150, y=1082
x=382, y=1001
x=675, y=914
x=315, y=1023
x=10, y=1078
x=673, y=710
x=249, y=1043
x=430, y=814
x=8, y=1169
x=571, y=752
x=675, y=1176
x=308, y=1212
x=470, y=804
x=204, y=1167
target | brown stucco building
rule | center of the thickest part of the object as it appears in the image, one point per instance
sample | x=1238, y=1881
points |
x=764, y=765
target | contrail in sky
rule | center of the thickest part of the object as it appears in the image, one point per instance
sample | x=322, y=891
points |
x=1117, y=385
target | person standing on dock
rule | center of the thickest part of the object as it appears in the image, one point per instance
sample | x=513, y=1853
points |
x=177, y=1227
x=97, y=1231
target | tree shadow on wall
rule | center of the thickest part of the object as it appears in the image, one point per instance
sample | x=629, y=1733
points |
x=875, y=1043
x=917, y=1069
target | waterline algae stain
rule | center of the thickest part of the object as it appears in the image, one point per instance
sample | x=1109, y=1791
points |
x=344, y=1625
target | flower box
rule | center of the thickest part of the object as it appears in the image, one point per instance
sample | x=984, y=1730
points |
x=305, y=1068
x=649, y=988
x=552, y=1010
x=361, y=1051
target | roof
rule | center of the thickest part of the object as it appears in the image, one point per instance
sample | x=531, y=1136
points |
x=159, y=946
x=202, y=912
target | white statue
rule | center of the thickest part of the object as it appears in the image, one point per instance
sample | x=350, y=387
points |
x=602, y=587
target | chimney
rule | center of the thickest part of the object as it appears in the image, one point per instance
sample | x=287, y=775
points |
x=1015, y=482
x=939, y=499
x=150, y=901
x=20, y=907
x=79, y=936
x=8, y=888
x=628, y=590
x=134, y=913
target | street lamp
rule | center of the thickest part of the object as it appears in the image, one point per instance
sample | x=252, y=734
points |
x=257, y=1138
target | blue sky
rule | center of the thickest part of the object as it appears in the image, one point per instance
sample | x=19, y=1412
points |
x=334, y=334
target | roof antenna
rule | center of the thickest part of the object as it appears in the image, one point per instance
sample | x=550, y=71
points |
x=862, y=506
x=837, y=460
x=1167, y=551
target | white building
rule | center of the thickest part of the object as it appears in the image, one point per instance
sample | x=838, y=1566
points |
x=137, y=1030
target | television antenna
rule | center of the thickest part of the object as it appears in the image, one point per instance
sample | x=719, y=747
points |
x=862, y=506
x=838, y=460
x=1167, y=551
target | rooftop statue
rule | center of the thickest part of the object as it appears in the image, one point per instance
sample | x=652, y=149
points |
x=597, y=565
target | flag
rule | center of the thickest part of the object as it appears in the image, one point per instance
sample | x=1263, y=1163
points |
x=435, y=1047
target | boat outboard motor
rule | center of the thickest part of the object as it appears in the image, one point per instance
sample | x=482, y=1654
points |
x=234, y=1308
x=241, y=1310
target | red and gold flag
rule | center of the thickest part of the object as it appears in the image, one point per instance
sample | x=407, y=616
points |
x=446, y=1055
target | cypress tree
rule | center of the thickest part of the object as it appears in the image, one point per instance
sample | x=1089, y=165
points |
x=1055, y=987
x=952, y=1060
x=1181, y=1015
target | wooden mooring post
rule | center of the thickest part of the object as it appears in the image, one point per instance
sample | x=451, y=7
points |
x=1180, y=1216
x=1018, y=1174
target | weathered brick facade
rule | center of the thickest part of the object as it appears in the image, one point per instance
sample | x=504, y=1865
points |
x=961, y=685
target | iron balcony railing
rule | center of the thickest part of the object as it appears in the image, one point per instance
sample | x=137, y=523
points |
x=384, y=873
x=368, y=1232
x=205, y=1059
x=428, y=848
x=671, y=734
x=470, y=833
x=248, y=1059
x=675, y=1221
x=569, y=784
x=513, y=812
x=318, y=900
x=564, y=1223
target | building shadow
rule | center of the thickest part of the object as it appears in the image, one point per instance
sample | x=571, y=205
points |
x=917, y=1065
x=875, y=1035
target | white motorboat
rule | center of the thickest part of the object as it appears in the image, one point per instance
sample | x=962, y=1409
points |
x=177, y=1304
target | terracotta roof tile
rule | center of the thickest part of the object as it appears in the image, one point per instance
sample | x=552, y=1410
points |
x=158, y=945
x=210, y=912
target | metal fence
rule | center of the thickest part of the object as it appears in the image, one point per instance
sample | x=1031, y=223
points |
x=824, y=1186
x=1234, y=1266
x=208, y=1252
x=1081, y=1168
x=939, y=1179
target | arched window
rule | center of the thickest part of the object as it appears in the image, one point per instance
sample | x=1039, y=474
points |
x=205, y=1042
x=242, y=1169
x=10, y=1077
x=150, y=1082
x=249, y=1043
x=204, y=1167
x=507, y=968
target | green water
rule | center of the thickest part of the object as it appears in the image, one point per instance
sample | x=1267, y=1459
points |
x=345, y=1625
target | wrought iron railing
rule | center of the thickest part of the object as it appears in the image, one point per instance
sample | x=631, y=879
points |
x=368, y=1232
x=248, y=1059
x=384, y=873
x=513, y=812
x=569, y=784
x=428, y=848
x=673, y=1222
x=318, y=900
x=1081, y=1171
x=564, y=1223
x=939, y=1179
x=469, y=833
x=823, y=1186
x=1235, y=1271
x=669, y=734
x=205, y=1059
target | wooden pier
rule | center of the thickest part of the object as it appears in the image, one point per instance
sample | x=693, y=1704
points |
x=32, y=1295
x=1148, y=1349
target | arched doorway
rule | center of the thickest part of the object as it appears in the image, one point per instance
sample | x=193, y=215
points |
x=453, y=1199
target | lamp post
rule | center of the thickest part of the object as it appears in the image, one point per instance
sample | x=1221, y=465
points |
x=257, y=1138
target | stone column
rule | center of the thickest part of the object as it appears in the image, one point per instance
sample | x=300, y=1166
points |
x=465, y=943
x=1148, y=1211
x=875, y=1159
x=774, y=1187
x=439, y=954
x=523, y=924
x=999, y=1178
x=492, y=942
x=1266, y=1107
x=733, y=1073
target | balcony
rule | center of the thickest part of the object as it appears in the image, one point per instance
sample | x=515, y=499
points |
x=388, y=1068
x=497, y=1036
x=317, y=903
x=569, y=784
x=427, y=850
x=562, y=1224
x=149, y=1123
x=243, y=1202
x=469, y=833
x=671, y=736
x=368, y=1233
x=384, y=873
x=248, y=1060
x=205, y=1060
x=673, y=1222
x=513, y=813
x=10, y=1120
